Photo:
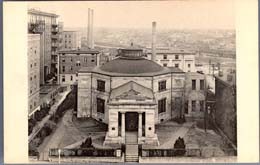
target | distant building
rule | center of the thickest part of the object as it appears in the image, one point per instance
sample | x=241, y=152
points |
x=71, y=40
x=131, y=93
x=34, y=72
x=226, y=112
x=185, y=60
x=45, y=24
x=70, y=61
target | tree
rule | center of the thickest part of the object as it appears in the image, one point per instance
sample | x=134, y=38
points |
x=87, y=143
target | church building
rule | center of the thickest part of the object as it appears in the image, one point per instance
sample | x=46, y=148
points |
x=133, y=94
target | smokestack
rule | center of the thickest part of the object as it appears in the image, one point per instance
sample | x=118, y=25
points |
x=90, y=28
x=153, y=41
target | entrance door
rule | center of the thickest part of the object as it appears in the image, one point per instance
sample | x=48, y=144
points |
x=131, y=121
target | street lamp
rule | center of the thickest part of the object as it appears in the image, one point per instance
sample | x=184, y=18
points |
x=59, y=151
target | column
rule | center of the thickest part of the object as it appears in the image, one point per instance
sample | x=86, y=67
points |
x=123, y=125
x=140, y=125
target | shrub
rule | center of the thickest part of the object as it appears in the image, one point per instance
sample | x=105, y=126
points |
x=179, y=147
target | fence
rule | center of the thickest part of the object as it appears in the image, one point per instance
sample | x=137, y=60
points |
x=195, y=152
x=90, y=152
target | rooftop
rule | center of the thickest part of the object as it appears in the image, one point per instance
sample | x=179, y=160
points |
x=170, y=51
x=80, y=51
x=38, y=12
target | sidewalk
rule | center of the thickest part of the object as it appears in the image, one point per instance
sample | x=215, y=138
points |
x=53, y=109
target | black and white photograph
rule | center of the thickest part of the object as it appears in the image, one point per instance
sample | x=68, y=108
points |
x=129, y=81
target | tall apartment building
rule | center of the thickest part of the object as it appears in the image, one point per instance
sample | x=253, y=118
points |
x=185, y=60
x=33, y=72
x=45, y=24
x=70, y=61
x=71, y=40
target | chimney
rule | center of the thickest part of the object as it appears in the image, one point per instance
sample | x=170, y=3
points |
x=90, y=28
x=153, y=57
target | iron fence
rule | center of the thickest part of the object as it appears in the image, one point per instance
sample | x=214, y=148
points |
x=90, y=152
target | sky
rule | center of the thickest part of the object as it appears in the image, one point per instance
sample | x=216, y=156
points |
x=176, y=14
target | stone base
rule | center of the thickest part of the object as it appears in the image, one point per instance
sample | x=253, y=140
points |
x=149, y=140
x=113, y=140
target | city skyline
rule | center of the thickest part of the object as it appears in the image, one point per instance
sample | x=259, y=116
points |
x=175, y=15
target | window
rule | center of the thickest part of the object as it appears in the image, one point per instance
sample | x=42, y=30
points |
x=30, y=106
x=165, y=65
x=162, y=105
x=176, y=65
x=63, y=59
x=63, y=68
x=92, y=60
x=71, y=78
x=85, y=59
x=78, y=63
x=35, y=64
x=100, y=105
x=186, y=107
x=193, y=105
x=35, y=76
x=165, y=56
x=34, y=103
x=101, y=85
x=202, y=85
x=193, y=85
x=31, y=65
x=201, y=106
x=176, y=57
x=162, y=85
x=71, y=59
x=31, y=78
x=188, y=65
x=71, y=68
x=63, y=79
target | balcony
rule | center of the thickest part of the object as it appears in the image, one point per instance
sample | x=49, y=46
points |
x=36, y=27
x=54, y=36
x=54, y=25
x=54, y=30
x=54, y=45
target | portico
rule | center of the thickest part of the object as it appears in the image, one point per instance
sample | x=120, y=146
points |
x=131, y=111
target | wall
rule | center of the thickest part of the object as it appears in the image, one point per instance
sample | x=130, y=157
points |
x=225, y=113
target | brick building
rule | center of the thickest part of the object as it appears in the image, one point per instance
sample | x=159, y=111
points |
x=71, y=40
x=70, y=61
x=33, y=72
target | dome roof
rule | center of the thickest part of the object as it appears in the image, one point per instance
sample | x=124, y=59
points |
x=131, y=66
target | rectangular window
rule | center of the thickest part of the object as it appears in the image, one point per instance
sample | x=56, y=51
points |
x=193, y=105
x=165, y=65
x=162, y=85
x=63, y=78
x=101, y=85
x=176, y=65
x=188, y=65
x=63, y=68
x=85, y=59
x=71, y=78
x=162, y=105
x=201, y=106
x=71, y=59
x=193, y=85
x=202, y=85
x=186, y=107
x=100, y=105
x=63, y=59
x=71, y=68
x=92, y=60
x=164, y=56
x=176, y=57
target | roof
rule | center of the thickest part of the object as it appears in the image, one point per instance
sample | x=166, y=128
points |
x=38, y=12
x=170, y=51
x=81, y=51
